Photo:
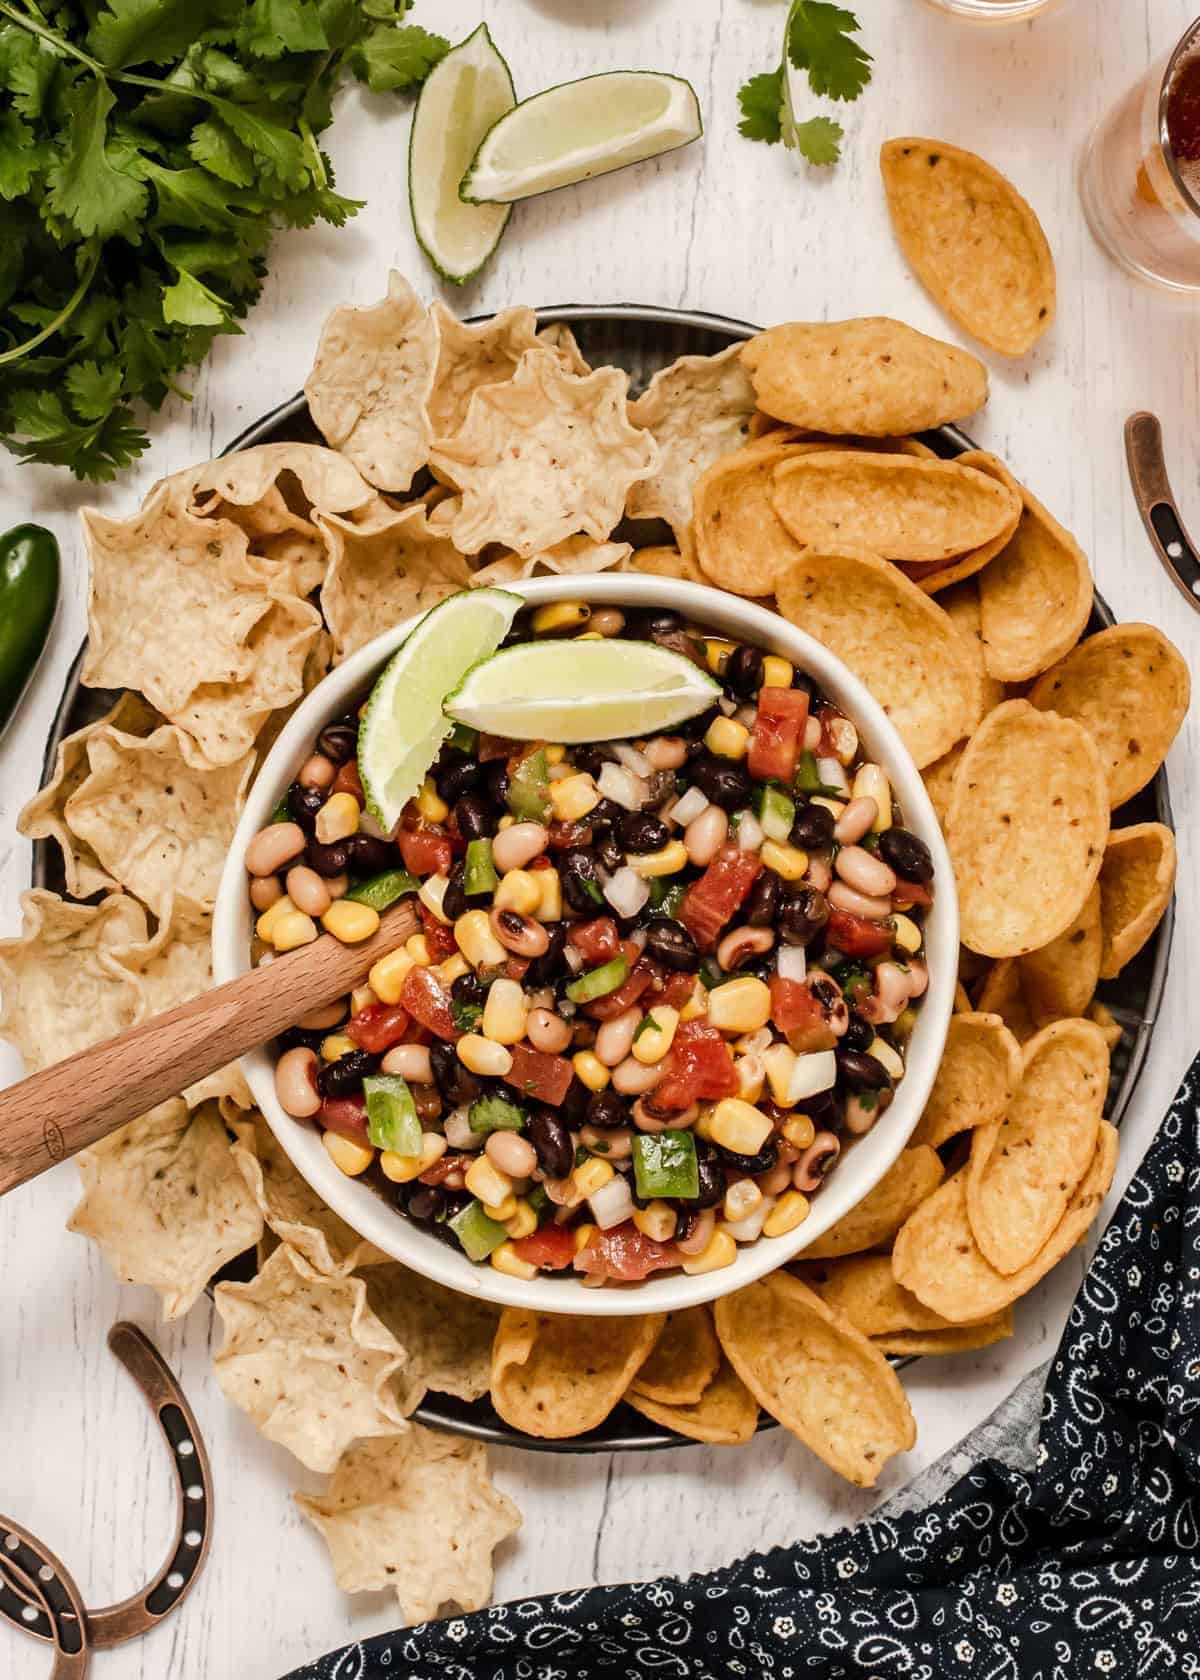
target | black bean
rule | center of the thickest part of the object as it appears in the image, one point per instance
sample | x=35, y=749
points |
x=906, y=854
x=862, y=1072
x=370, y=854
x=660, y=786
x=678, y=641
x=685, y=1224
x=454, y=902
x=607, y=1108
x=345, y=1076
x=475, y=817
x=572, y=1111
x=813, y=828
x=330, y=860
x=425, y=1202
x=752, y=1164
x=858, y=1034
x=670, y=943
x=456, y=1084
x=592, y=756
x=605, y=815
x=802, y=681
x=456, y=778
x=802, y=915
x=695, y=729
x=552, y=1141
x=303, y=803
x=641, y=832
x=610, y=854
x=495, y=780
x=580, y=876
x=300, y=1038
x=659, y=622
x=712, y=1179
x=339, y=741
x=546, y=969
x=744, y=672
x=722, y=780
x=762, y=906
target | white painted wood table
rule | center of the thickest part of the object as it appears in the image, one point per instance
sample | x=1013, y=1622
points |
x=729, y=227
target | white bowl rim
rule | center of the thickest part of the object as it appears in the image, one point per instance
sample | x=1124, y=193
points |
x=860, y=1168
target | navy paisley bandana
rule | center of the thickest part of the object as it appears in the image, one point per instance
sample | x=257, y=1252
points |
x=1085, y=1565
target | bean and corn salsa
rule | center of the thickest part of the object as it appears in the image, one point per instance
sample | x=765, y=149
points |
x=659, y=982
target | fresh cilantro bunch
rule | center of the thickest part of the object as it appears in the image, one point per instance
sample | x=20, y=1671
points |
x=148, y=150
x=816, y=39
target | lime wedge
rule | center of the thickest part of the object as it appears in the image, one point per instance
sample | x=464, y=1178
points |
x=405, y=726
x=463, y=97
x=581, y=129
x=572, y=691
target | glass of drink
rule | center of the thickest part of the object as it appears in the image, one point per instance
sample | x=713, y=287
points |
x=1140, y=172
x=994, y=11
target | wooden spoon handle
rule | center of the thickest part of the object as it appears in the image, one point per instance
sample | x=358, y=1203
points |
x=75, y=1103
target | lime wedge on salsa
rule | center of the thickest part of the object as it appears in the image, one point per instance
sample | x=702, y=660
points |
x=404, y=726
x=571, y=691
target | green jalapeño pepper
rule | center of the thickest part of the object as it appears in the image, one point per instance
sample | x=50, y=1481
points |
x=29, y=577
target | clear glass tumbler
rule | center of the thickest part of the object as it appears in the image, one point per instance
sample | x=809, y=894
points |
x=1140, y=172
x=994, y=11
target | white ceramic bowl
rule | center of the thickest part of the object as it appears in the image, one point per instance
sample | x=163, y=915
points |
x=860, y=1167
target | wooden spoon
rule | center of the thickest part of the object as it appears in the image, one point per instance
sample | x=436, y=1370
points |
x=77, y=1102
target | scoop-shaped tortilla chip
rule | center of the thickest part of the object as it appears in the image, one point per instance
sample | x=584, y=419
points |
x=382, y=570
x=937, y=1258
x=1026, y=829
x=1129, y=687
x=979, y=1071
x=1058, y=981
x=915, y=1174
x=898, y=506
x=873, y=376
x=554, y=1375
x=664, y=562
x=903, y=646
x=1002, y=993
x=963, y=1338
x=810, y=1368
x=293, y=1210
x=559, y=338
x=447, y=1337
x=1035, y=597
x=972, y=241
x=1024, y=1169
x=276, y=487
x=1110, y=1027
x=725, y=1415
x=939, y=780
x=697, y=409
x=369, y=388
x=741, y=543
x=417, y=1513
x=574, y=554
x=544, y=456
x=863, y=1289
x=960, y=603
x=165, y=1201
x=939, y=578
x=472, y=356
x=683, y=1362
x=1137, y=879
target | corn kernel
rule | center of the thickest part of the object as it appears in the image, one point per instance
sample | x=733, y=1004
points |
x=347, y=1156
x=574, y=796
x=740, y=1006
x=350, y=923
x=721, y=1251
x=716, y=654
x=506, y=1260
x=265, y=926
x=452, y=969
x=750, y=1076
x=741, y=1199
x=477, y=942
x=486, y=1181
x=555, y=754
x=789, y=1211
x=591, y=1176
x=518, y=890
x=293, y=930
x=501, y=1212
x=583, y=1236
x=905, y=1022
x=727, y=738
x=739, y=1126
x=703, y=1126
x=871, y=783
x=788, y=861
x=696, y=1007
x=669, y=861
x=506, y=821
x=483, y=1056
x=654, y=1040
x=799, y=1130
x=835, y=807
x=387, y=977
x=550, y=898
x=417, y=947
x=504, y=1013
x=403, y=1169
x=522, y=1223
x=906, y=934
x=589, y=636
x=431, y=804
x=777, y=673
x=779, y=1062
x=591, y=1070
x=338, y=818
x=656, y=1221
x=560, y=616
x=753, y=1044
x=336, y=1046
x=362, y=997
x=890, y=1058
x=431, y=893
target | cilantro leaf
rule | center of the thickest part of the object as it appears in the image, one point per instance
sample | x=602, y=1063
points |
x=22, y=156
x=194, y=304
x=92, y=389
x=153, y=31
x=389, y=58
x=84, y=188
x=818, y=41
x=761, y=100
x=819, y=140
x=27, y=68
x=274, y=27
x=221, y=153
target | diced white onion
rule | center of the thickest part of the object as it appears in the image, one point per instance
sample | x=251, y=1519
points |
x=612, y=1204
x=747, y=716
x=632, y=759
x=791, y=963
x=812, y=734
x=749, y=1230
x=832, y=774
x=573, y=957
x=727, y=705
x=888, y=1055
x=627, y=892
x=750, y=834
x=688, y=808
x=622, y=787
x=811, y=1075
x=431, y=894
x=457, y=1127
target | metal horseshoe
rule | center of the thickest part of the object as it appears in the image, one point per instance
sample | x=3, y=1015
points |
x=38, y=1595
x=1156, y=504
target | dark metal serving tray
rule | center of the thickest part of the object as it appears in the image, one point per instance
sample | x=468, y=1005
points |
x=642, y=340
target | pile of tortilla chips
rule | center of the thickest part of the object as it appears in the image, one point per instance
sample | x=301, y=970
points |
x=785, y=470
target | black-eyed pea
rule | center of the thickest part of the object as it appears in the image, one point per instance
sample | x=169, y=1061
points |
x=511, y=1154
x=296, y=1083
x=317, y=772
x=864, y=872
x=410, y=1062
x=307, y=891
x=273, y=847
x=265, y=890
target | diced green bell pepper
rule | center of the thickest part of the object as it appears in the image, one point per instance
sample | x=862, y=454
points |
x=381, y=890
x=528, y=796
x=776, y=813
x=478, y=1234
x=665, y=1165
x=808, y=777
x=463, y=738
x=479, y=875
x=599, y=982
x=392, y=1120
x=495, y=1113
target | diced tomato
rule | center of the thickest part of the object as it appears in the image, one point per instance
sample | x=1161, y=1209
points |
x=699, y=1068
x=856, y=936
x=541, y=861
x=625, y=996
x=428, y=1002
x=345, y=1115
x=544, y=1078
x=912, y=892
x=564, y=835
x=596, y=941
x=799, y=1015
x=378, y=1027
x=828, y=718
x=625, y=1254
x=438, y=937
x=552, y=1248
x=348, y=780
x=426, y=850
x=441, y=1170
x=778, y=734
x=675, y=990
x=711, y=901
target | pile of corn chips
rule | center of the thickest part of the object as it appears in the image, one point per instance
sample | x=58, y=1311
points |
x=786, y=470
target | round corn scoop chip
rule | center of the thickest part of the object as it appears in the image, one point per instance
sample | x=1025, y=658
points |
x=1026, y=829
x=939, y=780
x=874, y=376
x=1129, y=687
x=863, y=1289
x=725, y=1415
x=553, y=1376
x=813, y=1371
x=963, y=1338
x=937, y=1258
x=684, y=1360
x=972, y=241
x=935, y=578
x=740, y=541
x=899, y=506
x=960, y=603
x=663, y=562
x=1137, y=879
x=1003, y=994
x=903, y=646
x=1024, y=1168
x=976, y=1079
x=1035, y=596
x=1059, y=980
x=915, y=1174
